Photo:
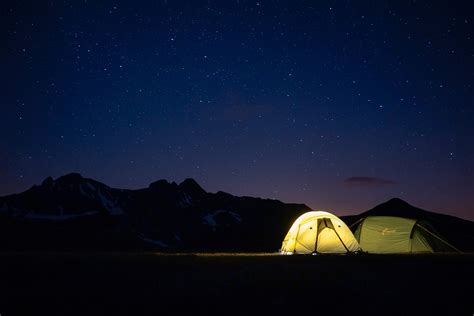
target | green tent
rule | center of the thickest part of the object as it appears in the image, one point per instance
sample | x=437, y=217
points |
x=389, y=234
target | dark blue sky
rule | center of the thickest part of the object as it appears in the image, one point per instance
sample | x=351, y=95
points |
x=337, y=104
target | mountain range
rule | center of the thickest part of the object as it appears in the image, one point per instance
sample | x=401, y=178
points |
x=75, y=213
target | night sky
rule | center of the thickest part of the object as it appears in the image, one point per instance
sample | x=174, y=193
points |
x=336, y=104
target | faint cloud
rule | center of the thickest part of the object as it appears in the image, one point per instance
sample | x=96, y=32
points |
x=367, y=182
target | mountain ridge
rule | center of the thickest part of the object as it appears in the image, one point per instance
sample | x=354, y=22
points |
x=164, y=215
x=74, y=212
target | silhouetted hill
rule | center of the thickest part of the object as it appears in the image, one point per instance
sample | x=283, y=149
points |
x=77, y=213
x=73, y=212
x=457, y=231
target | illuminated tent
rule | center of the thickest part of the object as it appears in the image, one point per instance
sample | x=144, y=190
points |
x=319, y=232
x=390, y=234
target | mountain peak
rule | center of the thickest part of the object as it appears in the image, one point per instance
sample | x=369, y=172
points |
x=191, y=186
x=47, y=182
x=397, y=207
x=160, y=184
x=70, y=177
x=397, y=201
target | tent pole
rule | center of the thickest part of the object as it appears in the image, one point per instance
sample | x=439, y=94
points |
x=439, y=238
x=316, y=239
x=340, y=238
x=411, y=235
x=357, y=222
x=296, y=238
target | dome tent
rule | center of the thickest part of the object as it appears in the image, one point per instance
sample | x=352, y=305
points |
x=392, y=234
x=319, y=232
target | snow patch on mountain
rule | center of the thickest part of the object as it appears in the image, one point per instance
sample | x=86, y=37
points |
x=153, y=241
x=81, y=190
x=109, y=205
x=185, y=201
x=91, y=186
x=87, y=189
x=210, y=218
x=4, y=208
x=236, y=216
x=58, y=217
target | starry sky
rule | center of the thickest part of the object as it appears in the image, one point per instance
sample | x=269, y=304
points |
x=340, y=105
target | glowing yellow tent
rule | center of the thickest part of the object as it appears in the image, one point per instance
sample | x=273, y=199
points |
x=319, y=232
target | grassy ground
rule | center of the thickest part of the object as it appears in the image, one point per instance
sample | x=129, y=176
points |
x=157, y=284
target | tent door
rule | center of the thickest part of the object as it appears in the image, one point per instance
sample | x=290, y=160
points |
x=326, y=223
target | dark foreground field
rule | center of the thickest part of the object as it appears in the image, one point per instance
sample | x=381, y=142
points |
x=136, y=284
